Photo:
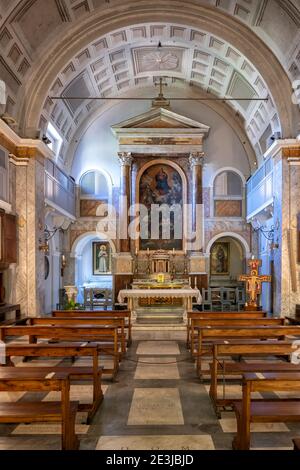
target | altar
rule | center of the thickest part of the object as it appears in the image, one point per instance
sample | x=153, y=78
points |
x=165, y=298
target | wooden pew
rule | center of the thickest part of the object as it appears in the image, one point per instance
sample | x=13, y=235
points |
x=114, y=321
x=126, y=314
x=210, y=334
x=76, y=373
x=296, y=443
x=219, y=316
x=106, y=337
x=261, y=349
x=249, y=411
x=196, y=322
x=27, y=379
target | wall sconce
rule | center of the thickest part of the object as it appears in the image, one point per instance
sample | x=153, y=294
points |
x=48, y=234
x=269, y=234
x=63, y=264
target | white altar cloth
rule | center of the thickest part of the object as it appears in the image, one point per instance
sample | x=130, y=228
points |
x=186, y=293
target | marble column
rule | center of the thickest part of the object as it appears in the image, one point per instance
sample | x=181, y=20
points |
x=30, y=208
x=125, y=160
x=196, y=163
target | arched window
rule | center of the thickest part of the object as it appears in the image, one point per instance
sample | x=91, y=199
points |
x=228, y=195
x=93, y=185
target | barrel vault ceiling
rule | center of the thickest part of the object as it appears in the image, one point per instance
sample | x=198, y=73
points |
x=128, y=58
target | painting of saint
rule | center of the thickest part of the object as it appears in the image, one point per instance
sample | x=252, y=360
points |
x=219, y=259
x=162, y=184
x=101, y=258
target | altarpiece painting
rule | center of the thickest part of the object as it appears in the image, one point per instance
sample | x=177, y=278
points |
x=162, y=185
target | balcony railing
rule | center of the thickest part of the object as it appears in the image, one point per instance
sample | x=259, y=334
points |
x=59, y=188
x=260, y=189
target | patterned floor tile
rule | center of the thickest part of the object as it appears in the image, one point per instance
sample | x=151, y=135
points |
x=159, y=442
x=162, y=368
x=156, y=406
x=157, y=348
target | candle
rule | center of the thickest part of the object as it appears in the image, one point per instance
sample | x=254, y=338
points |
x=136, y=252
x=190, y=281
x=148, y=251
x=173, y=251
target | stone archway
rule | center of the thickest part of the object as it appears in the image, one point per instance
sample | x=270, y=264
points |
x=82, y=262
x=228, y=254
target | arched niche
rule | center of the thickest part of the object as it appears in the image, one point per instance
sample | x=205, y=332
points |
x=83, y=252
x=227, y=253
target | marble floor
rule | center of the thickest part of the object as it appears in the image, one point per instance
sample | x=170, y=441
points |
x=156, y=403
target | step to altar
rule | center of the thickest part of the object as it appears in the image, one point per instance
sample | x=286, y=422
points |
x=159, y=316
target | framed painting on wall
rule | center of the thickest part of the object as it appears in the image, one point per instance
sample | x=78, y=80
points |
x=101, y=258
x=220, y=259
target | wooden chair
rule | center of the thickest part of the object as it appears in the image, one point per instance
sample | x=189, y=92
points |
x=16, y=379
x=248, y=411
x=206, y=300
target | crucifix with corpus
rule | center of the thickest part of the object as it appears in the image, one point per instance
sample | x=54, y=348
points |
x=253, y=284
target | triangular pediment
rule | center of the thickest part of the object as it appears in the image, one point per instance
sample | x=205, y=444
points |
x=160, y=118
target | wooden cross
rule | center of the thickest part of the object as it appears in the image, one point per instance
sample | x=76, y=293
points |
x=161, y=85
x=254, y=283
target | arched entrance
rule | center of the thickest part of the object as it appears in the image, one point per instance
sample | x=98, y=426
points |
x=228, y=254
x=93, y=262
x=227, y=262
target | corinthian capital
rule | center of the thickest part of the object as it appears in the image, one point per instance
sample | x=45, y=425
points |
x=196, y=158
x=125, y=158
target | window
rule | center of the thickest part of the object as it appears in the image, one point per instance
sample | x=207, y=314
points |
x=228, y=195
x=55, y=139
x=4, y=175
x=94, y=185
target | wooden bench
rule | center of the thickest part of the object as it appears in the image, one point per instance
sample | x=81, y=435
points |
x=296, y=443
x=16, y=379
x=126, y=314
x=255, y=348
x=196, y=322
x=219, y=316
x=76, y=373
x=211, y=334
x=114, y=321
x=248, y=411
x=106, y=337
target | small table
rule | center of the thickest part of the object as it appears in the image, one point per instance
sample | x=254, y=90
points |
x=4, y=309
